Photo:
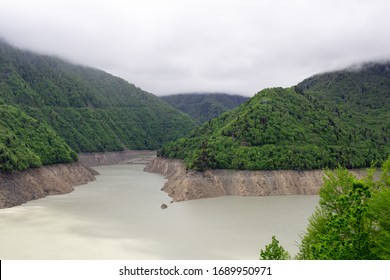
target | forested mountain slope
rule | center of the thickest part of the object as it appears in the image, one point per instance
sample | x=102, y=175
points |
x=26, y=142
x=359, y=96
x=90, y=109
x=51, y=109
x=204, y=106
x=329, y=119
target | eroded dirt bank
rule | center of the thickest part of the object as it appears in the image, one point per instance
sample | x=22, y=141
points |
x=111, y=158
x=186, y=185
x=21, y=186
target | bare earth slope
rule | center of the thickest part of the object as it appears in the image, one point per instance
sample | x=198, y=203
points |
x=185, y=184
x=121, y=157
x=21, y=186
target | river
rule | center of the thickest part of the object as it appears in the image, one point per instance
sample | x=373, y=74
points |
x=119, y=216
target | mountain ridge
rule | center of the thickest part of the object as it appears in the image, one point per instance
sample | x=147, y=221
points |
x=91, y=110
x=326, y=120
x=204, y=106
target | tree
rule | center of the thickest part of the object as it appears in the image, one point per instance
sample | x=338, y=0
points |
x=379, y=212
x=203, y=158
x=274, y=251
x=352, y=221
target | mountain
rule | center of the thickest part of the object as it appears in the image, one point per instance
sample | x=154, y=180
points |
x=26, y=142
x=92, y=111
x=204, y=106
x=356, y=95
x=334, y=118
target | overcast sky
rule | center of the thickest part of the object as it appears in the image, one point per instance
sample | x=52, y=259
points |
x=173, y=46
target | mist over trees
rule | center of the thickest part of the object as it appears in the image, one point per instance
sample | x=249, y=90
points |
x=326, y=120
x=51, y=109
x=204, y=106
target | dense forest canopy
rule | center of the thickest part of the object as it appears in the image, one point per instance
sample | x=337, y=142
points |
x=204, y=106
x=333, y=118
x=329, y=119
x=26, y=142
x=92, y=111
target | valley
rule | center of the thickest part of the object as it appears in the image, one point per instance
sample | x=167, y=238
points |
x=276, y=149
x=54, y=112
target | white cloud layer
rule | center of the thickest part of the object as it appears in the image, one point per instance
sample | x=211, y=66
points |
x=171, y=46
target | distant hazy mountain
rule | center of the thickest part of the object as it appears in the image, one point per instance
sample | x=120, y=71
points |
x=334, y=118
x=204, y=106
x=86, y=109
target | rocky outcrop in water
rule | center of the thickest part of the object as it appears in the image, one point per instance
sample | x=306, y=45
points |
x=185, y=184
x=21, y=186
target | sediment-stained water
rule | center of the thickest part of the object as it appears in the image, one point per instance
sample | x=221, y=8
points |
x=119, y=216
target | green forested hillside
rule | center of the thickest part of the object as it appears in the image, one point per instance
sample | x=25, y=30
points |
x=26, y=142
x=90, y=109
x=334, y=118
x=204, y=106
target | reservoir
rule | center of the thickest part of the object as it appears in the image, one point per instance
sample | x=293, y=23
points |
x=119, y=216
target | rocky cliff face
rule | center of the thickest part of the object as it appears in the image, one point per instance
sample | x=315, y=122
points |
x=185, y=184
x=21, y=186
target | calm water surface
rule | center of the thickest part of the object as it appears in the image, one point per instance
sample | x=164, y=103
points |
x=119, y=217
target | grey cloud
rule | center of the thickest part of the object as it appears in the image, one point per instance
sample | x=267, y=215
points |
x=190, y=46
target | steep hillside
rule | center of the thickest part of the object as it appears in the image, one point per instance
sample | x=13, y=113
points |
x=359, y=96
x=360, y=89
x=21, y=186
x=90, y=109
x=317, y=124
x=26, y=142
x=204, y=106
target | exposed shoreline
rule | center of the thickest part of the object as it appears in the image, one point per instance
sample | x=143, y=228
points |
x=185, y=184
x=20, y=187
x=121, y=157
